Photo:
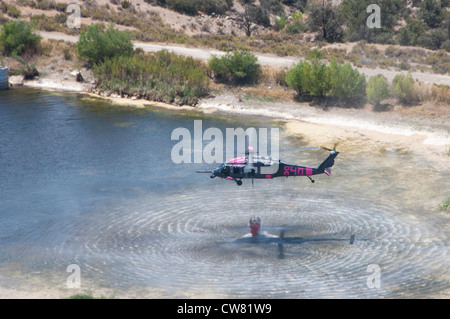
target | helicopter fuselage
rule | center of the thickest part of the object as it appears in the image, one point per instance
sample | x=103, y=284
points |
x=259, y=167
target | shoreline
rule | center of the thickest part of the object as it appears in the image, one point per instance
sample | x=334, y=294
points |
x=364, y=128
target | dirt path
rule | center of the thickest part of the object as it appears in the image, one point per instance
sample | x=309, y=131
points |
x=264, y=59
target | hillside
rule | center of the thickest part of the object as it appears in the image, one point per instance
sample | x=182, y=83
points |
x=280, y=33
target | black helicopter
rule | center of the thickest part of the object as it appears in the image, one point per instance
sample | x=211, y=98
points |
x=264, y=167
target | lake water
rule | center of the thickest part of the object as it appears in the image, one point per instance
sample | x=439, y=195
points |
x=88, y=183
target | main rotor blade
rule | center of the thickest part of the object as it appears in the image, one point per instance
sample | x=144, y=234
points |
x=204, y=171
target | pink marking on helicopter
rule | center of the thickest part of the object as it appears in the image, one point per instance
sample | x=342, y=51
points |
x=297, y=171
x=237, y=160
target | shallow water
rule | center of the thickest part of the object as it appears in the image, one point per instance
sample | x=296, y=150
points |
x=84, y=182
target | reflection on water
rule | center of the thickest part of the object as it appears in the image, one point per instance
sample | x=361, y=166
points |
x=84, y=182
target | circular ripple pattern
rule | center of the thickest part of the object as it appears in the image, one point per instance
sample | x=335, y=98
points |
x=185, y=243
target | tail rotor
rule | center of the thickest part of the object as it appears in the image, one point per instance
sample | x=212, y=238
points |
x=329, y=149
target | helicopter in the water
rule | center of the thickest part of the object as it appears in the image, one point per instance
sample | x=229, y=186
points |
x=256, y=236
x=264, y=167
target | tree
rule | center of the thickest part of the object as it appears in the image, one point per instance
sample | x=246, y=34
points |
x=431, y=13
x=377, y=89
x=410, y=34
x=97, y=45
x=322, y=17
x=247, y=21
x=17, y=37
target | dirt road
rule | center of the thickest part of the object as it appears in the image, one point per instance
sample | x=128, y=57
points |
x=264, y=59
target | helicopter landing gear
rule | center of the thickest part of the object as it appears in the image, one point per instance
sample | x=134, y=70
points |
x=312, y=181
x=239, y=182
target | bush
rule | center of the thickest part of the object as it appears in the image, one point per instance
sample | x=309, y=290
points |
x=404, y=89
x=318, y=80
x=280, y=23
x=446, y=45
x=295, y=78
x=295, y=27
x=30, y=73
x=439, y=61
x=315, y=79
x=126, y=4
x=192, y=7
x=410, y=34
x=445, y=205
x=164, y=77
x=346, y=82
x=377, y=89
x=17, y=37
x=96, y=45
x=236, y=68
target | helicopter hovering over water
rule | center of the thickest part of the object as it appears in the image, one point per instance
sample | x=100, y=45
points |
x=252, y=166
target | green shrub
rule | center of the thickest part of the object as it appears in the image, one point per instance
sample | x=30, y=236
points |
x=314, y=55
x=318, y=80
x=17, y=37
x=377, y=89
x=236, y=68
x=445, y=205
x=9, y=9
x=43, y=22
x=439, y=61
x=164, y=77
x=12, y=11
x=296, y=27
x=295, y=78
x=404, y=89
x=446, y=45
x=346, y=82
x=315, y=79
x=96, y=45
x=280, y=23
x=192, y=7
x=411, y=33
x=44, y=4
x=126, y=4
